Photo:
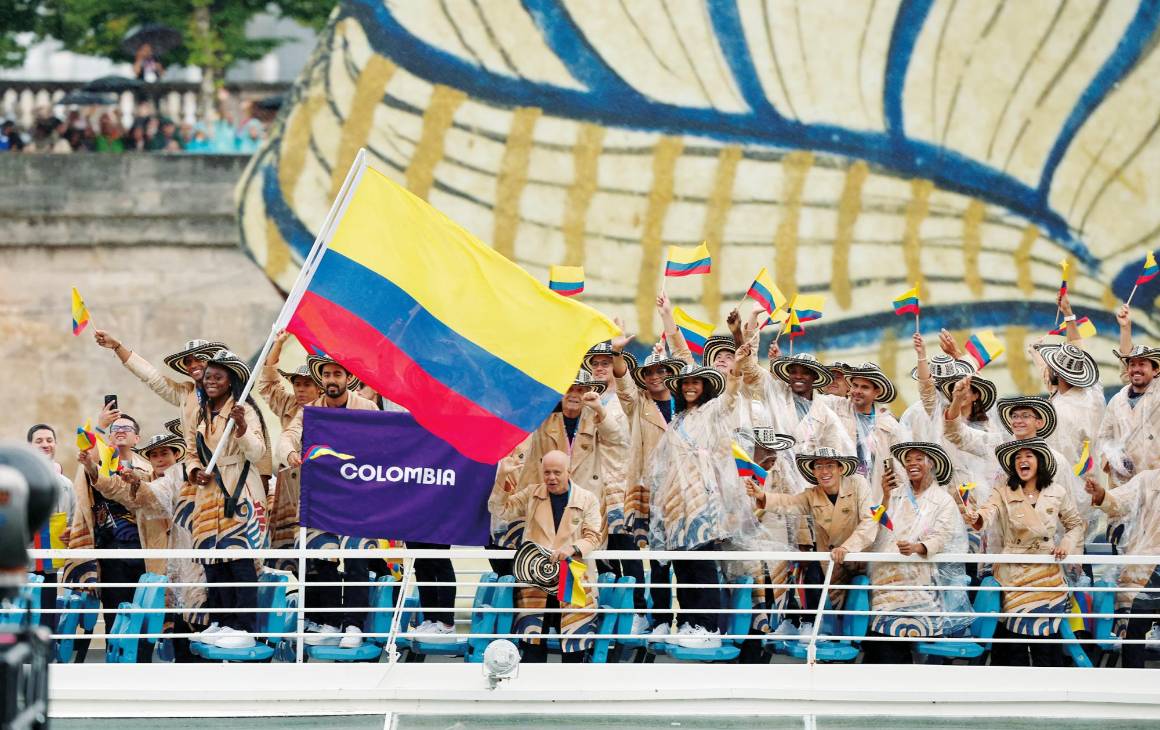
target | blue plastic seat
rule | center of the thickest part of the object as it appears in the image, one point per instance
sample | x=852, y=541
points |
x=855, y=626
x=382, y=599
x=982, y=629
x=149, y=594
x=271, y=594
x=502, y=597
x=422, y=647
x=740, y=598
x=68, y=623
x=24, y=609
x=618, y=596
x=1104, y=628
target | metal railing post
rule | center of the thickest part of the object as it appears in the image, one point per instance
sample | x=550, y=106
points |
x=392, y=648
x=812, y=652
x=300, y=640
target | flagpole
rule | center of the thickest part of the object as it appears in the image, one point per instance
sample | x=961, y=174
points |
x=1129, y=302
x=916, y=329
x=305, y=274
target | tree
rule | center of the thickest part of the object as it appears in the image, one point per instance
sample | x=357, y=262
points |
x=214, y=31
x=17, y=18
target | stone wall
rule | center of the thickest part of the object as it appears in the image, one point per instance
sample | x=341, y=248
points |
x=151, y=243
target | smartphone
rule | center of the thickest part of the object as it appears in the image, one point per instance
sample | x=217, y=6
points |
x=111, y=399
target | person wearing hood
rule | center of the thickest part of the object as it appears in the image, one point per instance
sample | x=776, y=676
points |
x=1129, y=436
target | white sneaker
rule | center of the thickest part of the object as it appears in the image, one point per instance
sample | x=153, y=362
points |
x=806, y=630
x=229, y=638
x=785, y=628
x=209, y=635
x=352, y=638
x=699, y=638
x=324, y=635
x=435, y=632
x=1152, y=638
x=639, y=625
x=661, y=630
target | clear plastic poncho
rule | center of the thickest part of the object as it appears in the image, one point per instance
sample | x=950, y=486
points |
x=933, y=519
x=696, y=494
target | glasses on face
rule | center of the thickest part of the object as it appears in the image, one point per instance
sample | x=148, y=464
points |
x=121, y=429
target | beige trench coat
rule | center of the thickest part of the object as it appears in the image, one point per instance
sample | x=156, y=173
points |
x=1029, y=529
x=580, y=529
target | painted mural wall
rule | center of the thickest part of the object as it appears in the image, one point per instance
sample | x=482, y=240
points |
x=852, y=146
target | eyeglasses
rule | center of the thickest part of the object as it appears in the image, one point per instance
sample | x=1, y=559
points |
x=121, y=429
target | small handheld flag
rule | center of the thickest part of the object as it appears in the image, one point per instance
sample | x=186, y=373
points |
x=1063, y=265
x=965, y=491
x=984, y=347
x=320, y=450
x=746, y=466
x=86, y=439
x=765, y=292
x=80, y=313
x=907, y=302
x=570, y=590
x=1087, y=330
x=1085, y=463
x=793, y=326
x=694, y=330
x=567, y=281
x=881, y=516
x=48, y=537
x=110, y=459
x=1151, y=270
x=808, y=307
x=688, y=261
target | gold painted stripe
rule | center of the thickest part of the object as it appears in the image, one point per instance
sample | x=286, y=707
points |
x=795, y=167
x=1017, y=362
x=916, y=212
x=664, y=163
x=277, y=252
x=849, y=208
x=356, y=129
x=972, y=245
x=1109, y=299
x=1023, y=259
x=888, y=361
x=585, y=166
x=716, y=215
x=437, y=120
x=291, y=161
x=512, y=177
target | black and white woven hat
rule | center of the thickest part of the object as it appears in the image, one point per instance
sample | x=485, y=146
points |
x=1070, y=363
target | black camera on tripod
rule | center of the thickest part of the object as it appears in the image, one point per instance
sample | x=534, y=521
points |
x=27, y=495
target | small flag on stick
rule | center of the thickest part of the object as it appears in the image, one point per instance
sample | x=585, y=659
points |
x=694, y=330
x=567, y=281
x=1086, y=329
x=965, y=491
x=1085, y=463
x=80, y=313
x=570, y=590
x=984, y=347
x=688, y=261
x=746, y=466
x=881, y=516
x=907, y=303
x=765, y=292
x=1150, y=272
x=808, y=307
x=86, y=439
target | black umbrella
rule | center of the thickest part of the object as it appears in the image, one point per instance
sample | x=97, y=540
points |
x=161, y=37
x=86, y=98
x=113, y=84
x=270, y=103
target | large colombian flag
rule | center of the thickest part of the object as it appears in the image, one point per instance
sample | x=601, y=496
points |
x=423, y=312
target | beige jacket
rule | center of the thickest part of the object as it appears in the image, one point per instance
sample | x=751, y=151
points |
x=1131, y=434
x=274, y=391
x=846, y=523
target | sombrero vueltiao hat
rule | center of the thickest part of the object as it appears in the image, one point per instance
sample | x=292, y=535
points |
x=713, y=379
x=584, y=378
x=717, y=344
x=299, y=372
x=1139, y=351
x=780, y=367
x=944, y=366
x=838, y=365
x=770, y=439
x=193, y=347
x=1006, y=455
x=163, y=440
x=987, y=391
x=174, y=427
x=805, y=463
x=231, y=362
x=673, y=365
x=943, y=470
x=605, y=348
x=1070, y=363
x=1041, y=406
x=873, y=373
x=314, y=364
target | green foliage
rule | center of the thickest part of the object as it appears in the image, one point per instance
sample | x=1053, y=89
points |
x=96, y=27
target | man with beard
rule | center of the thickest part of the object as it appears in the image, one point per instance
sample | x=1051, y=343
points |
x=1128, y=433
x=336, y=383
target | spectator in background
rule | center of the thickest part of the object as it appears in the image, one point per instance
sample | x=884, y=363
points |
x=199, y=142
x=146, y=67
x=136, y=140
x=10, y=139
x=111, y=138
x=165, y=139
x=250, y=137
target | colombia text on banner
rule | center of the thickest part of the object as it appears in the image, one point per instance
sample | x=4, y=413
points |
x=423, y=312
x=403, y=483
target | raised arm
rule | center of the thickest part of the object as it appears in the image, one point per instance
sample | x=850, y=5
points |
x=171, y=390
x=1064, y=304
x=619, y=364
x=677, y=344
x=270, y=385
x=1124, y=319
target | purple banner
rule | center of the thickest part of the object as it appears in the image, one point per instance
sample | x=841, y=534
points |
x=382, y=475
